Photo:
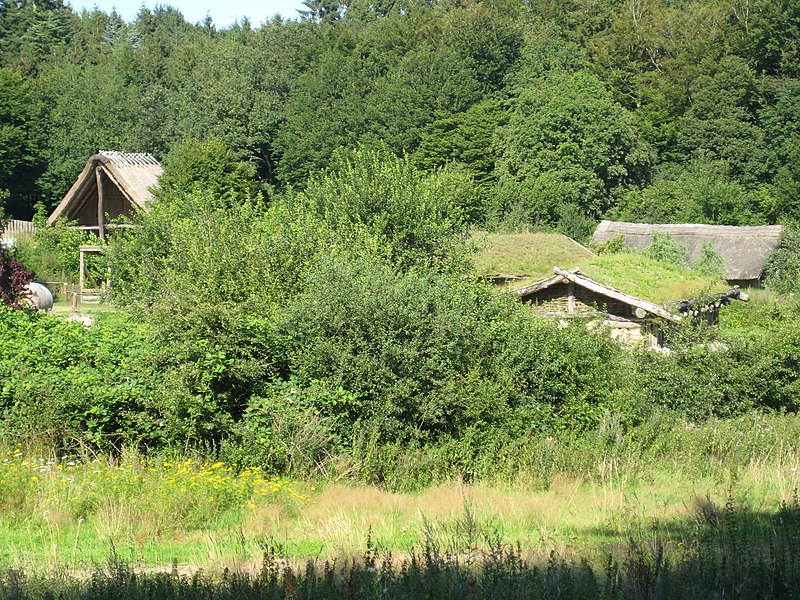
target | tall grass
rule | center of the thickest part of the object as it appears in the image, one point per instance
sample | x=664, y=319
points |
x=725, y=553
x=566, y=494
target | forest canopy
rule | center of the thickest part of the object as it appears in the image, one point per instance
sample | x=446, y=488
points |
x=558, y=113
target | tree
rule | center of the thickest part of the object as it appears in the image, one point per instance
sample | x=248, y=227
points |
x=321, y=12
x=210, y=166
x=371, y=197
x=19, y=160
x=786, y=186
x=467, y=139
x=719, y=124
x=702, y=191
x=568, y=142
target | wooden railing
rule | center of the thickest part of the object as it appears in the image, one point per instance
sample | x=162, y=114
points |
x=15, y=228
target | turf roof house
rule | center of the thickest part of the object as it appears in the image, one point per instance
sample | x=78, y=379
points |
x=110, y=186
x=569, y=294
x=745, y=250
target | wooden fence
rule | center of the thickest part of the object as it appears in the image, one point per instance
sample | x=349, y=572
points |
x=15, y=228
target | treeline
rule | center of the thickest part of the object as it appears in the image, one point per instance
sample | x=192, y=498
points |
x=558, y=112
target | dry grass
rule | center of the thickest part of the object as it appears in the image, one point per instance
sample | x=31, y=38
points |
x=601, y=505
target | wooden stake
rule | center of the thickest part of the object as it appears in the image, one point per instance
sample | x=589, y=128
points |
x=101, y=231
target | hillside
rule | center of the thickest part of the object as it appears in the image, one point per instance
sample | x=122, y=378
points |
x=534, y=255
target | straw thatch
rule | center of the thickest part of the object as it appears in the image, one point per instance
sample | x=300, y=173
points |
x=744, y=250
x=112, y=184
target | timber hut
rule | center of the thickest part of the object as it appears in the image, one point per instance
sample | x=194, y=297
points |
x=744, y=250
x=568, y=294
x=112, y=184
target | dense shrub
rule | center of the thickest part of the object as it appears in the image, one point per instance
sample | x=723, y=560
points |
x=63, y=384
x=425, y=360
x=782, y=271
x=52, y=252
x=665, y=249
x=724, y=376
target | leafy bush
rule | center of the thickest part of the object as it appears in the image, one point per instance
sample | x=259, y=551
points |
x=430, y=360
x=724, y=377
x=372, y=197
x=63, y=384
x=711, y=262
x=52, y=252
x=663, y=248
x=782, y=271
x=13, y=279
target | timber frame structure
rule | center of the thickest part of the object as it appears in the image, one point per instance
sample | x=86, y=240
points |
x=112, y=184
x=568, y=294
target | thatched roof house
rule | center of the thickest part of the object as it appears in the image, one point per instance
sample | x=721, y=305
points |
x=745, y=250
x=111, y=185
x=570, y=294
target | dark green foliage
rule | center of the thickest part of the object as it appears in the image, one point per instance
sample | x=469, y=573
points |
x=725, y=376
x=701, y=191
x=19, y=141
x=208, y=298
x=438, y=361
x=786, y=188
x=568, y=143
x=592, y=97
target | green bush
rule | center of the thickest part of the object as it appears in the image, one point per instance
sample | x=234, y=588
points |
x=63, y=384
x=724, y=377
x=436, y=361
x=782, y=271
x=52, y=252
x=665, y=249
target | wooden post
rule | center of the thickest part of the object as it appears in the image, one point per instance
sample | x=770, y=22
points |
x=571, y=297
x=74, y=303
x=101, y=230
x=82, y=275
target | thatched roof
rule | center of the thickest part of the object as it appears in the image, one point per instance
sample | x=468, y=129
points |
x=133, y=174
x=745, y=250
x=574, y=276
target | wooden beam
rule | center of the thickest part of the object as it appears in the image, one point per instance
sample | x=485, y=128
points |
x=616, y=294
x=82, y=276
x=101, y=232
x=571, y=298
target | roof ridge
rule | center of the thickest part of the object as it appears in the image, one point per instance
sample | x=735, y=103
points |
x=130, y=159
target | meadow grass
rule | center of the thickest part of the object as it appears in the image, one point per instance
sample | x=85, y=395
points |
x=576, y=497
